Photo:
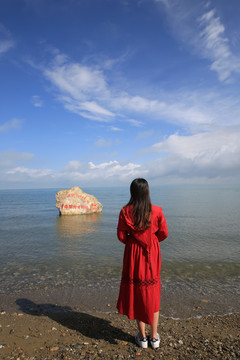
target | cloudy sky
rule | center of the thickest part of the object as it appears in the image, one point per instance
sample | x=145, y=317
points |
x=98, y=92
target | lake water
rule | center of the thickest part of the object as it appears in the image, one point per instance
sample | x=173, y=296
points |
x=79, y=257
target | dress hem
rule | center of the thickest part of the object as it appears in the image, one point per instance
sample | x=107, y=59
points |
x=132, y=317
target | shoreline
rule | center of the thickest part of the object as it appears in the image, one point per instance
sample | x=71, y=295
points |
x=179, y=299
x=82, y=323
x=72, y=335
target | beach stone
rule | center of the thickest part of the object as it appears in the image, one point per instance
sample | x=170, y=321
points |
x=54, y=348
x=75, y=201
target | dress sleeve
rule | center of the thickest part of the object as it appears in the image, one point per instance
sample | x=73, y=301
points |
x=162, y=232
x=122, y=229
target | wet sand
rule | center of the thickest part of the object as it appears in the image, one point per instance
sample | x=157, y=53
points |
x=181, y=298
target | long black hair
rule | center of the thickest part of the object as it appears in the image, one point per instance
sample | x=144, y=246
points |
x=141, y=202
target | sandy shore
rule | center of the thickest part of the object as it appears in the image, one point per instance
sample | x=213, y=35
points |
x=42, y=334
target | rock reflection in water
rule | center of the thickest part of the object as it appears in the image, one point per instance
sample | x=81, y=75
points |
x=77, y=225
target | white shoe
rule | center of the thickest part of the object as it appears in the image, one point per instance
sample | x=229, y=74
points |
x=155, y=343
x=143, y=343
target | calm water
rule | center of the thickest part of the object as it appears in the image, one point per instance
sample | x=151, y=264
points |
x=41, y=250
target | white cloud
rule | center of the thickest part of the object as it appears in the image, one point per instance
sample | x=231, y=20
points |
x=215, y=46
x=100, y=174
x=82, y=89
x=36, y=101
x=76, y=80
x=201, y=146
x=103, y=165
x=73, y=173
x=87, y=92
x=114, y=169
x=201, y=29
x=6, y=42
x=32, y=173
x=89, y=109
x=13, y=124
x=114, y=128
x=5, y=45
x=136, y=123
x=13, y=168
x=181, y=111
x=204, y=155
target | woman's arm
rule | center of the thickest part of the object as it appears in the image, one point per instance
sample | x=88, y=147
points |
x=122, y=229
x=162, y=232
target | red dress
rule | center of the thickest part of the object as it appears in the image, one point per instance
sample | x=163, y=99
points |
x=140, y=289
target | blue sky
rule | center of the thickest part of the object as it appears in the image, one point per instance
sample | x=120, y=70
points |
x=98, y=92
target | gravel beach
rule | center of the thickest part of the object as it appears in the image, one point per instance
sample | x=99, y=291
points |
x=44, y=333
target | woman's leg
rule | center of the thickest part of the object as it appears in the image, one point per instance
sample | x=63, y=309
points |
x=154, y=326
x=141, y=328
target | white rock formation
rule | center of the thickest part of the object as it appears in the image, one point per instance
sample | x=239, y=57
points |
x=74, y=201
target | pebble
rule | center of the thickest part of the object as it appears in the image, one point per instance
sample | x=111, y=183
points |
x=54, y=348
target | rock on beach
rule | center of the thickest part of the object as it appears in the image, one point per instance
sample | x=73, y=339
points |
x=75, y=201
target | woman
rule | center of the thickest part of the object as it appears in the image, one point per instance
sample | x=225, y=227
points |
x=141, y=226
